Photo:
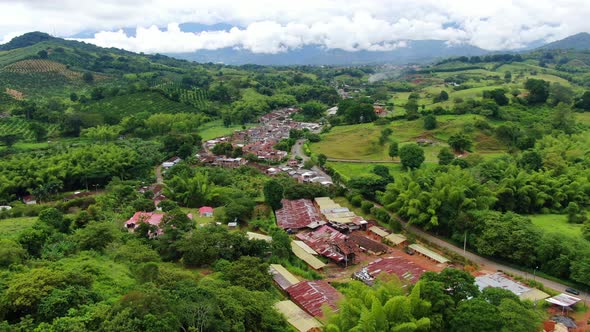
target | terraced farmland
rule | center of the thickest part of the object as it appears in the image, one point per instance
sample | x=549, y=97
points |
x=150, y=102
x=42, y=66
x=19, y=126
x=194, y=97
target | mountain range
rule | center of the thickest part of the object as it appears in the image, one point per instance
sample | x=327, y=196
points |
x=417, y=51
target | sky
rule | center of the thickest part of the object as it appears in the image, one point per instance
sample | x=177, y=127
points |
x=275, y=26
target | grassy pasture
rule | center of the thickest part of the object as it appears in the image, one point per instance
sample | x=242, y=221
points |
x=360, y=142
x=556, y=223
x=214, y=129
x=10, y=228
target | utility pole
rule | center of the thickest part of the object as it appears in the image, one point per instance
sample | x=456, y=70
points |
x=465, y=243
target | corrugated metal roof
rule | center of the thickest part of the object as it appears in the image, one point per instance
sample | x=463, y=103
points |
x=396, y=239
x=305, y=247
x=313, y=296
x=429, y=253
x=296, y=214
x=398, y=265
x=306, y=257
x=300, y=319
x=281, y=276
x=378, y=231
x=258, y=236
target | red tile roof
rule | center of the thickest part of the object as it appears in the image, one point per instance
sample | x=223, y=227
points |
x=205, y=209
x=398, y=265
x=151, y=218
x=297, y=214
x=311, y=296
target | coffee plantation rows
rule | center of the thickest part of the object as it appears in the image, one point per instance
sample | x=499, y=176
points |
x=20, y=127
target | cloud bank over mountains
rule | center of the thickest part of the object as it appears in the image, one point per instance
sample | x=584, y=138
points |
x=264, y=26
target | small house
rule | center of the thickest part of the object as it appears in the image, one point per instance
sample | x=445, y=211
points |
x=206, y=211
x=171, y=162
x=29, y=200
x=232, y=224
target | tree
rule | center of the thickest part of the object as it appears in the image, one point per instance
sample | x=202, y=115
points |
x=11, y=252
x=442, y=96
x=73, y=97
x=321, y=159
x=96, y=236
x=393, y=150
x=313, y=109
x=411, y=108
x=538, y=90
x=249, y=272
x=560, y=94
x=9, y=139
x=88, y=77
x=385, y=133
x=475, y=315
x=54, y=218
x=460, y=142
x=39, y=131
x=42, y=54
x=273, y=194
x=575, y=214
x=531, y=160
x=584, y=101
x=411, y=155
x=497, y=95
x=563, y=119
x=507, y=77
x=445, y=156
x=430, y=122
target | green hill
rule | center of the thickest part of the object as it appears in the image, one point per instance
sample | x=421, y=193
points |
x=580, y=41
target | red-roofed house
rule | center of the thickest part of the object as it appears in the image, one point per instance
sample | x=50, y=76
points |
x=312, y=296
x=206, y=211
x=29, y=200
x=298, y=214
x=151, y=218
x=330, y=243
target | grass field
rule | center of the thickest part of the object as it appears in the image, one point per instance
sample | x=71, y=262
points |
x=556, y=223
x=349, y=170
x=583, y=118
x=360, y=142
x=214, y=129
x=10, y=228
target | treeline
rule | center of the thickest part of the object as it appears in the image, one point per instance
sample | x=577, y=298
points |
x=483, y=200
x=71, y=168
x=507, y=58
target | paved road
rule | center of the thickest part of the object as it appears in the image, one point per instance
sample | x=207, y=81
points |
x=490, y=265
x=297, y=151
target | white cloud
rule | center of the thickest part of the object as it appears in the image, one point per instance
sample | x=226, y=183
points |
x=272, y=26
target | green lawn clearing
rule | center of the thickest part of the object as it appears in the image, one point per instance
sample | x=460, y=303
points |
x=214, y=129
x=361, y=142
x=556, y=223
x=10, y=228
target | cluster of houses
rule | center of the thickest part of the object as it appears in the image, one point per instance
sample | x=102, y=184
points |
x=259, y=141
x=323, y=228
